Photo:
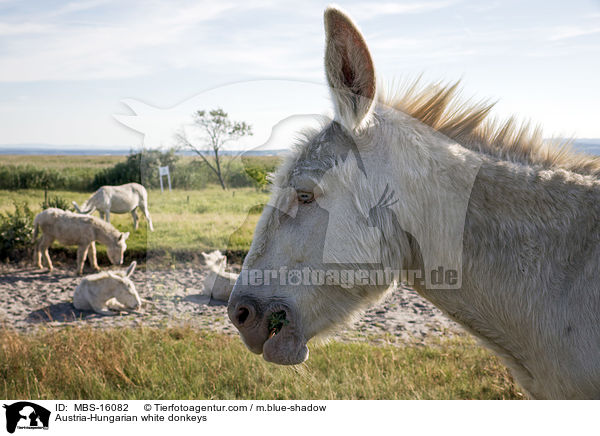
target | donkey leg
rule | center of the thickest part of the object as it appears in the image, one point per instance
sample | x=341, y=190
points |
x=48, y=261
x=92, y=256
x=82, y=252
x=135, y=219
x=37, y=255
x=45, y=242
x=102, y=309
x=107, y=213
x=101, y=214
x=115, y=304
x=147, y=215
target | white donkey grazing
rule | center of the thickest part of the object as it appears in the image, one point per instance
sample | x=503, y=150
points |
x=118, y=199
x=107, y=290
x=218, y=283
x=74, y=229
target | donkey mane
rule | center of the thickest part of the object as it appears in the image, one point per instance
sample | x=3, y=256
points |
x=106, y=227
x=466, y=122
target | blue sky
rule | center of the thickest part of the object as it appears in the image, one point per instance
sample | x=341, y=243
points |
x=65, y=67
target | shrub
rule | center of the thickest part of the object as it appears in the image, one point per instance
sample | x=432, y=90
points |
x=32, y=177
x=56, y=201
x=16, y=231
x=238, y=179
x=194, y=175
x=141, y=167
x=258, y=176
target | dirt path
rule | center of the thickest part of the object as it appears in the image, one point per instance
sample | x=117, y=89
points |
x=30, y=299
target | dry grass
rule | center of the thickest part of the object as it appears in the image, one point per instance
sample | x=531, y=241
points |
x=182, y=363
x=65, y=162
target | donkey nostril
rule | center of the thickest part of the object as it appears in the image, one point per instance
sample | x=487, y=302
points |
x=242, y=315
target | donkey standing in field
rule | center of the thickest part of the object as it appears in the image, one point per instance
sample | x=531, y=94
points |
x=420, y=182
x=118, y=199
x=74, y=229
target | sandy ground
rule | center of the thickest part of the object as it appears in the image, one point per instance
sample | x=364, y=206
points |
x=30, y=299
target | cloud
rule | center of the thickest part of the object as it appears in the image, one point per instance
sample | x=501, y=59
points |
x=116, y=42
x=79, y=6
x=370, y=10
x=8, y=29
x=567, y=32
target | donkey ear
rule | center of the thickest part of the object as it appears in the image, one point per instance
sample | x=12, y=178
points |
x=131, y=269
x=349, y=69
x=125, y=235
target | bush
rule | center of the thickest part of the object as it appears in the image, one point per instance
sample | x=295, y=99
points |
x=32, y=177
x=258, y=175
x=56, y=201
x=238, y=179
x=141, y=167
x=191, y=176
x=121, y=173
x=16, y=231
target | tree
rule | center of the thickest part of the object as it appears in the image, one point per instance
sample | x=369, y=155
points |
x=216, y=130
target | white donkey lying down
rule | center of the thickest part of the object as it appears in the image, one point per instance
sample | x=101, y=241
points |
x=107, y=290
x=219, y=283
x=118, y=199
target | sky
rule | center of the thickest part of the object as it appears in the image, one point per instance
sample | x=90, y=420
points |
x=71, y=73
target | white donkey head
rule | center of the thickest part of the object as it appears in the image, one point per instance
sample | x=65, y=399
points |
x=116, y=250
x=125, y=291
x=215, y=260
x=360, y=195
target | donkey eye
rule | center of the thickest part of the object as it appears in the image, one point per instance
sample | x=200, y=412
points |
x=305, y=196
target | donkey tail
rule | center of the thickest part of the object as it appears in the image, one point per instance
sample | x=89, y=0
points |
x=36, y=224
x=85, y=212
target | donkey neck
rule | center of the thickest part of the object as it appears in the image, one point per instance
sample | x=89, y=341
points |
x=104, y=235
x=530, y=236
x=513, y=213
x=433, y=187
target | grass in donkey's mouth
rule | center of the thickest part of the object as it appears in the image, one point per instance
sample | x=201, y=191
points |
x=276, y=322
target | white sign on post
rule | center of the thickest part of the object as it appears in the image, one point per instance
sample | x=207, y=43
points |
x=164, y=171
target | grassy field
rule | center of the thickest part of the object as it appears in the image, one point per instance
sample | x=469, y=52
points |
x=198, y=220
x=123, y=364
x=185, y=221
x=62, y=162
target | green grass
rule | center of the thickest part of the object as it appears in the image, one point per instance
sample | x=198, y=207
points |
x=196, y=220
x=123, y=364
x=205, y=219
x=185, y=221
